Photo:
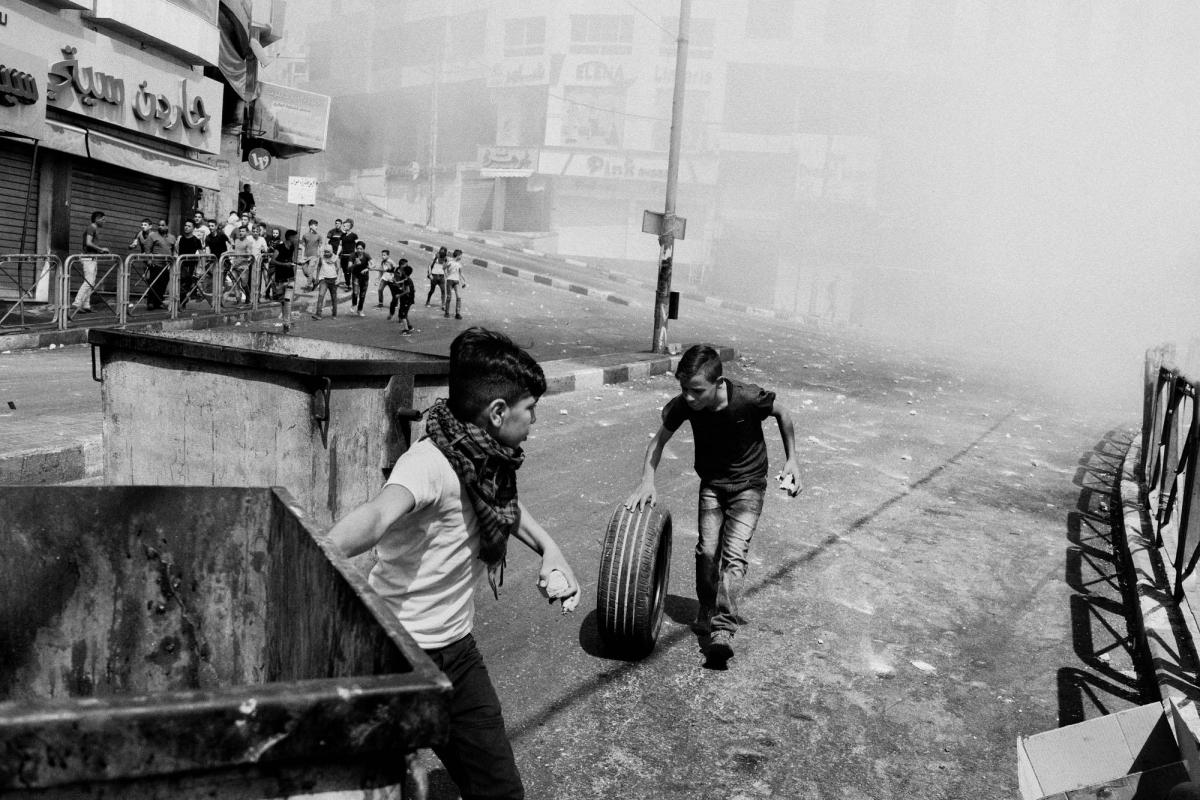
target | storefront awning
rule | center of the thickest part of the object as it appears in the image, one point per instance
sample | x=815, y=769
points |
x=90, y=144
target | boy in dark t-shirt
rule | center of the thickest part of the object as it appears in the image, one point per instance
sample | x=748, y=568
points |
x=731, y=460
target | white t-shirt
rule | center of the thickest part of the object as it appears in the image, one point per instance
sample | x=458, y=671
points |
x=429, y=562
x=453, y=270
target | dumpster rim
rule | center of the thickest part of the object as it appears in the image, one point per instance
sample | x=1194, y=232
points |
x=155, y=344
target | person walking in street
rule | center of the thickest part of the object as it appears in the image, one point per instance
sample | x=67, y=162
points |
x=311, y=245
x=731, y=460
x=437, y=277
x=349, y=240
x=327, y=280
x=360, y=275
x=91, y=247
x=259, y=277
x=387, y=273
x=161, y=244
x=283, y=274
x=405, y=294
x=454, y=280
x=334, y=239
x=189, y=244
x=442, y=521
x=241, y=266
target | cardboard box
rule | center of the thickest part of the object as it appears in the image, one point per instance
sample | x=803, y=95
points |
x=1130, y=755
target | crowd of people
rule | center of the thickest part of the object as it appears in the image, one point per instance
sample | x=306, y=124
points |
x=329, y=263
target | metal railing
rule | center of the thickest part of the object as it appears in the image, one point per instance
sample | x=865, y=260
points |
x=23, y=276
x=41, y=291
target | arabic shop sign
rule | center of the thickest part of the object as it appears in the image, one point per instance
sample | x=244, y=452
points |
x=503, y=162
x=109, y=85
x=22, y=102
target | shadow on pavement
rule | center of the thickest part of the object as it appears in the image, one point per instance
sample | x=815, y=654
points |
x=1115, y=671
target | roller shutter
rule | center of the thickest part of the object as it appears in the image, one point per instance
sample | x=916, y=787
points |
x=124, y=196
x=18, y=200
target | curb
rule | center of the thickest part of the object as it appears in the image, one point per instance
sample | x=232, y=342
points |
x=1166, y=629
x=616, y=277
x=56, y=338
x=84, y=458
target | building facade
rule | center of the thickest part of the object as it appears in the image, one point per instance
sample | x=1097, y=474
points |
x=130, y=107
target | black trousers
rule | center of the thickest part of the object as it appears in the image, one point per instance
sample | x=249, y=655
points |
x=478, y=756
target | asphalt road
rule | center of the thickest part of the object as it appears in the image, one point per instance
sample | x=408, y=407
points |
x=945, y=584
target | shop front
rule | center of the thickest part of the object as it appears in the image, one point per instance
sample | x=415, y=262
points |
x=112, y=128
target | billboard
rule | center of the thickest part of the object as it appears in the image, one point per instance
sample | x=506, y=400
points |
x=293, y=120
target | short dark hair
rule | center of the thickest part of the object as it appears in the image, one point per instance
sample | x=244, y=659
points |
x=360, y=243
x=485, y=365
x=312, y=222
x=289, y=233
x=348, y=221
x=381, y=252
x=699, y=358
x=406, y=269
x=97, y=215
x=339, y=219
x=147, y=220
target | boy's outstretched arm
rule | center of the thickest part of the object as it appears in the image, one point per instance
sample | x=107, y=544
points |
x=362, y=528
x=788, y=433
x=534, y=536
x=645, y=492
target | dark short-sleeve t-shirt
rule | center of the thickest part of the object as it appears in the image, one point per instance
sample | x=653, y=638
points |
x=730, y=450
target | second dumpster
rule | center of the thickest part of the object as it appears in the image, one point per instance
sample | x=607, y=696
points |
x=325, y=420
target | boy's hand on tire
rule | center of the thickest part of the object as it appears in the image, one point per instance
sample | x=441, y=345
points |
x=644, y=495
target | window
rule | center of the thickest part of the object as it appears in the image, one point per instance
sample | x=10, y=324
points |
x=525, y=37
x=850, y=22
x=700, y=37
x=931, y=28
x=603, y=34
x=769, y=19
x=593, y=116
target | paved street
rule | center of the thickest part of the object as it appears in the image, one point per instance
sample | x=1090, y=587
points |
x=945, y=584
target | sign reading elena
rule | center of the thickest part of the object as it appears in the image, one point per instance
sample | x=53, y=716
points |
x=116, y=88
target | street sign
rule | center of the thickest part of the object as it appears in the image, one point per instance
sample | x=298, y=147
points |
x=258, y=158
x=302, y=191
x=654, y=222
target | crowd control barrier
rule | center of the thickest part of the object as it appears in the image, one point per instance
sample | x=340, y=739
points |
x=197, y=282
x=91, y=284
x=150, y=284
x=239, y=277
x=22, y=277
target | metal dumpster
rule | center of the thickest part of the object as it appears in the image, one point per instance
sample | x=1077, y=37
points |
x=324, y=420
x=192, y=642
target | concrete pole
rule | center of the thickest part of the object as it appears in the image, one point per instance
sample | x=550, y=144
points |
x=433, y=121
x=666, y=242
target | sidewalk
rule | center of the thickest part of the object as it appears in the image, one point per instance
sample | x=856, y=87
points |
x=51, y=408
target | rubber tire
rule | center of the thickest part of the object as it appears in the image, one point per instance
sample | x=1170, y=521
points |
x=635, y=568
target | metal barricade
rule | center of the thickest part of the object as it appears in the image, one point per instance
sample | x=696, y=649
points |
x=88, y=280
x=197, y=281
x=23, y=276
x=239, y=278
x=151, y=284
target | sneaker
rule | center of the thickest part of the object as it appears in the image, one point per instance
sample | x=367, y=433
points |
x=446, y=315
x=406, y=333
x=389, y=319
x=720, y=646
x=79, y=310
x=379, y=305
x=458, y=316
x=287, y=328
x=317, y=316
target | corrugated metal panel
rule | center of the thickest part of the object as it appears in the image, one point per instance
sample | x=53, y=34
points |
x=15, y=211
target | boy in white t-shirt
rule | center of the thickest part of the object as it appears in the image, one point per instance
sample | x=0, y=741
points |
x=443, y=520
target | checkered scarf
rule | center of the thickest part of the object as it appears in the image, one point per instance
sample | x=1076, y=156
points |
x=488, y=470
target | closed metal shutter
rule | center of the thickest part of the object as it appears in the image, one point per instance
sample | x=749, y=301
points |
x=124, y=196
x=475, y=205
x=16, y=211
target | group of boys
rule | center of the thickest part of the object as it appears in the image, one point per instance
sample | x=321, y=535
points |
x=443, y=520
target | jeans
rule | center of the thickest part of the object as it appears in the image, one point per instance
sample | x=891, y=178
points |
x=438, y=281
x=726, y=522
x=83, y=297
x=478, y=756
x=452, y=287
x=358, y=289
x=327, y=285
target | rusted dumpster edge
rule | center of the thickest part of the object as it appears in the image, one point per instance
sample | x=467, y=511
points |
x=365, y=720
x=109, y=340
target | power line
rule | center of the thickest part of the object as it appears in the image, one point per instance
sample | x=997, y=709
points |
x=655, y=22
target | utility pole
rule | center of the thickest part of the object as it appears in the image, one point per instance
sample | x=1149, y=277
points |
x=666, y=240
x=433, y=123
